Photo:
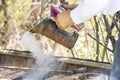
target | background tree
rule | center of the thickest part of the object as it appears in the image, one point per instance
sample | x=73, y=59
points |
x=97, y=38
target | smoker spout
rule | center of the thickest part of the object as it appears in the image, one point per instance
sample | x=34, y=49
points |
x=37, y=29
x=32, y=30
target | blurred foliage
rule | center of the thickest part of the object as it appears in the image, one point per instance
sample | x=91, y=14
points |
x=2, y=18
x=22, y=15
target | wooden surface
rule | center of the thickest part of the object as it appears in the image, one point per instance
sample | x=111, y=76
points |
x=14, y=64
x=24, y=59
x=86, y=63
x=10, y=74
x=16, y=58
x=80, y=76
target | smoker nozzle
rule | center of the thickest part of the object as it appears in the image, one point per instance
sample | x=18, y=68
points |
x=38, y=28
x=32, y=30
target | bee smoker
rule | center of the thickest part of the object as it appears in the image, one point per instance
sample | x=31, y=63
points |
x=49, y=28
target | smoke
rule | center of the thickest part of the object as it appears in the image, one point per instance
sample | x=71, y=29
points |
x=100, y=77
x=44, y=63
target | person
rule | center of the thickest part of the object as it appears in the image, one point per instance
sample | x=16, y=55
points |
x=77, y=14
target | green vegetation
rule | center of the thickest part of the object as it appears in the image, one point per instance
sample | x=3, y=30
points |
x=96, y=40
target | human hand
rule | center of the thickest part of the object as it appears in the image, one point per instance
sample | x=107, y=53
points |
x=63, y=20
x=70, y=7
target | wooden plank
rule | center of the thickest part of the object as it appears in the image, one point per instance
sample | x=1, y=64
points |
x=5, y=79
x=10, y=74
x=14, y=67
x=86, y=63
x=20, y=60
x=4, y=72
x=15, y=75
x=16, y=53
x=26, y=60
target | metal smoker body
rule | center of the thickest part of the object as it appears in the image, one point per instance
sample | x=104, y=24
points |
x=49, y=28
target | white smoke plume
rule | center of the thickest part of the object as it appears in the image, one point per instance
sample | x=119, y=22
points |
x=44, y=63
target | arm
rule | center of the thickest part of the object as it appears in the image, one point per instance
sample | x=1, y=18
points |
x=70, y=7
x=83, y=12
x=87, y=9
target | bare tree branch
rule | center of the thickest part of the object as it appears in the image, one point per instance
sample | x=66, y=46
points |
x=100, y=43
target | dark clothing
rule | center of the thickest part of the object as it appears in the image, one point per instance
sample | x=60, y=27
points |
x=118, y=14
x=115, y=72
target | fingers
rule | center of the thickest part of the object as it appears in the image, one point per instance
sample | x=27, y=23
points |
x=58, y=21
x=58, y=24
x=66, y=7
x=63, y=20
x=70, y=7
